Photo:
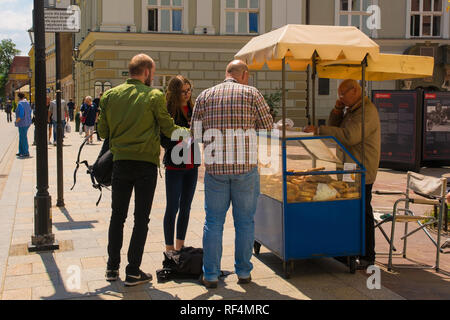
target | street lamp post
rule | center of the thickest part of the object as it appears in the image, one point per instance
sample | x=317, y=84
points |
x=59, y=130
x=43, y=239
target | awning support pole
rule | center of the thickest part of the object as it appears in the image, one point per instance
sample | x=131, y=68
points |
x=283, y=93
x=313, y=78
x=363, y=106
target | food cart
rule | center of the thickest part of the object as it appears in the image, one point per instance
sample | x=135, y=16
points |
x=312, y=204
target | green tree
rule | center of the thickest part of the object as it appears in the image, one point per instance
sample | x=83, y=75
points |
x=7, y=52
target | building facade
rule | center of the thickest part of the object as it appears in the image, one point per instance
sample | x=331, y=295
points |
x=18, y=76
x=197, y=38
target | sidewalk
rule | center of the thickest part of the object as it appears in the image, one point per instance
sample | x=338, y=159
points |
x=81, y=229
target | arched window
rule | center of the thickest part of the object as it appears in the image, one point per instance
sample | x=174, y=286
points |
x=98, y=89
x=101, y=87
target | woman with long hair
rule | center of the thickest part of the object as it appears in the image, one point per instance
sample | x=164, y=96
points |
x=181, y=179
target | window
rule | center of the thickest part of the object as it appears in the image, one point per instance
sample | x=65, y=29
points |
x=324, y=87
x=100, y=87
x=242, y=16
x=425, y=18
x=164, y=15
x=353, y=13
x=161, y=82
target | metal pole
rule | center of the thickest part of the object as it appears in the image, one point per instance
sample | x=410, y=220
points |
x=313, y=78
x=59, y=133
x=283, y=89
x=308, y=116
x=308, y=72
x=43, y=239
x=363, y=105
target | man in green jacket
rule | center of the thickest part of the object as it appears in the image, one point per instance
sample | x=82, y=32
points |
x=345, y=125
x=132, y=117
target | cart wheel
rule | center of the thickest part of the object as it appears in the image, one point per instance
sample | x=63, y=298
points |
x=256, y=247
x=352, y=264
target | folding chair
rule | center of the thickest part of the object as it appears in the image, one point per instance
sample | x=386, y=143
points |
x=433, y=192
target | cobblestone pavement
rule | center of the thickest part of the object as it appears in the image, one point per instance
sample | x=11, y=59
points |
x=81, y=229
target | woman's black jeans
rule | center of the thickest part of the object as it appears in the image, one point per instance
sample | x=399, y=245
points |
x=180, y=190
x=142, y=177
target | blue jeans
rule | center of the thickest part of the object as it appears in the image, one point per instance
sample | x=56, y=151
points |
x=23, y=141
x=55, y=129
x=242, y=191
x=180, y=190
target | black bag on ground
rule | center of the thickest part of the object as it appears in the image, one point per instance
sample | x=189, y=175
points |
x=184, y=264
x=101, y=171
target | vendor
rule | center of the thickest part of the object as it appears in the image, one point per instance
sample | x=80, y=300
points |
x=344, y=124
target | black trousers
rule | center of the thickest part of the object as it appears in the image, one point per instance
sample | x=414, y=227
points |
x=180, y=190
x=370, y=230
x=8, y=117
x=142, y=177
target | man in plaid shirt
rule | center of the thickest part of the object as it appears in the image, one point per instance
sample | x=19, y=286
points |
x=229, y=112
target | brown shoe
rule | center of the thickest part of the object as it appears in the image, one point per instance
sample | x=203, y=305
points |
x=245, y=280
x=208, y=284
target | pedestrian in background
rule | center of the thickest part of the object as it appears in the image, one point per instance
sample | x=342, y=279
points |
x=97, y=103
x=181, y=179
x=90, y=112
x=71, y=106
x=77, y=119
x=132, y=117
x=83, y=116
x=53, y=118
x=8, y=110
x=231, y=105
x=23, y=122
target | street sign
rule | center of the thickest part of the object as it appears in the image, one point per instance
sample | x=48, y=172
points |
x=63, y=20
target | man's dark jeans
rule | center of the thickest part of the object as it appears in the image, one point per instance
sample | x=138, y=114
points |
x=370, y=230
x=142, y=177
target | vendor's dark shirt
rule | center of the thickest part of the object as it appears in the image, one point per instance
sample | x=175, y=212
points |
x=71, y=105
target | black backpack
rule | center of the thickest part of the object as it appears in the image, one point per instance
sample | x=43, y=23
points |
x=101, y=171
x=186, y=263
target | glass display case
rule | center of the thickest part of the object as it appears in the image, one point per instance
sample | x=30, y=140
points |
x=317, y=169
x=312, y=199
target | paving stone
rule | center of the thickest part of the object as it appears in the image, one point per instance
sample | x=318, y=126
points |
x=94, y=262
x=17, y=294
x=20, y=270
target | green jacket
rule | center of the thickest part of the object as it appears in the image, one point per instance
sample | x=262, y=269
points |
x=132, y=117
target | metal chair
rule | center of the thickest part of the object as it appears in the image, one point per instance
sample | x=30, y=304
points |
x=432, y=191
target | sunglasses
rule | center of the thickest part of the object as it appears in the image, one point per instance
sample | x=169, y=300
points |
x=186, y=91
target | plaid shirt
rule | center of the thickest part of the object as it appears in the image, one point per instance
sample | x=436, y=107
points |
x=233, y=112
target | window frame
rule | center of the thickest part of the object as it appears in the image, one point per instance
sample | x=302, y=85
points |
x=101, y=87
x=422, y=13
x=184, y=16
x=165, y=82
x=261, y=18
x=351, y=12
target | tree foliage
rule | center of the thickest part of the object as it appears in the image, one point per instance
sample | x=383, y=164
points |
x=7, y=53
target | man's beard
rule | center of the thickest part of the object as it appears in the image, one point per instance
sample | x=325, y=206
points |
x=148, y=82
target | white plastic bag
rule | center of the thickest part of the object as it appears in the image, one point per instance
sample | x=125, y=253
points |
x=68, y=128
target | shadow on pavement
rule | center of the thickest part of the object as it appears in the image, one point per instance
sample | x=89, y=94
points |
x=72, y=224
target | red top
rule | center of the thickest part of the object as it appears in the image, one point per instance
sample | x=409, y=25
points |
x=188, y=166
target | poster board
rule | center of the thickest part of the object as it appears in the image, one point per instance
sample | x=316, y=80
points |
x=436, y=133
x=401, y=127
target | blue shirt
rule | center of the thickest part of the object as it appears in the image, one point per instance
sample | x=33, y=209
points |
x=23, y=112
